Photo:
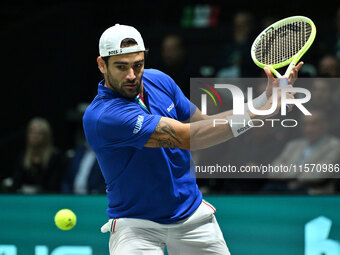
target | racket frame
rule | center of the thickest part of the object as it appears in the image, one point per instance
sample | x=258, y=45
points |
x=294, y=59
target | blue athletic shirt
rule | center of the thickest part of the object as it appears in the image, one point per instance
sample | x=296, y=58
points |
x=144, y=183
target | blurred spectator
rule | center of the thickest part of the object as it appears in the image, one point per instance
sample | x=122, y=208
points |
x=234, y=59
x=266, y=21
x=322, y=95
x=325, y=92
x=322, y=92
x=315, y=147
x=175, y=62
x=41, y=167
x=337, y=33
x=329, y=66
x=330, y=36
x=84, y=175
x=260, y=146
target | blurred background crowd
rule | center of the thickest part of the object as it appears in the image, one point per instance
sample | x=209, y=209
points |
x=50, y=75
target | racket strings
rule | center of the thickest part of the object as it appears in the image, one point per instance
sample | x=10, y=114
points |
x=282, y=43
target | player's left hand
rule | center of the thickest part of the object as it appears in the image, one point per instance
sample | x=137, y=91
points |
x=294, y=73
x=274, y=82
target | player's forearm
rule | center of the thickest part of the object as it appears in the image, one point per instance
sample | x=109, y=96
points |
x=207, y=133
x=214, y=130
x=202, y=134
x=170, y=133
x=221, y=115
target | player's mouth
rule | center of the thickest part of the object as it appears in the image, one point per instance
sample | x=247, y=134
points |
x=130, y=85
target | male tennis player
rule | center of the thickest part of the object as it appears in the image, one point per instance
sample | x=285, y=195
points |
x=138, y=126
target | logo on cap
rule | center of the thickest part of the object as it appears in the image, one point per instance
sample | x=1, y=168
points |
x=115, y=52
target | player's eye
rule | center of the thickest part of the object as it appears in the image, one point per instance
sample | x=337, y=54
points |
x=121, y=67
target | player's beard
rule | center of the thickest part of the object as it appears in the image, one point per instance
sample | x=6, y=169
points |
x=124, y=91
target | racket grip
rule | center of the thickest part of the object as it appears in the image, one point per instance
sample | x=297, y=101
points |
x=284, y=82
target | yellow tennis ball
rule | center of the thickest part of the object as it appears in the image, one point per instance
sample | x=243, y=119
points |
x=65, y=219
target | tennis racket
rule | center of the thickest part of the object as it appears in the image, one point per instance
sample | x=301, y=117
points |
x=283, y=43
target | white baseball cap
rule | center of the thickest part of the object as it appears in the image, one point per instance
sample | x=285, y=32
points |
x=109, y=43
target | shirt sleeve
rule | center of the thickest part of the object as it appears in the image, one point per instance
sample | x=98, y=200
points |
x=184, y=108
x=126, y=124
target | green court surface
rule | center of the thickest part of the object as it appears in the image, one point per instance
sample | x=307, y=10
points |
x=251, y=224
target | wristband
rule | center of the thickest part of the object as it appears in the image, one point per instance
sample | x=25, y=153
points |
x=239, y=123
x=258, y=102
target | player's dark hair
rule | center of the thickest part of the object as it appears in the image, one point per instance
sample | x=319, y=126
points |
x=127, y=42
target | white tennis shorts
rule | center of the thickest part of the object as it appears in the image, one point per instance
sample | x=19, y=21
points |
x=198, y=234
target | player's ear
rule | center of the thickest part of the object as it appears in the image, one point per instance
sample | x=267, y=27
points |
x=101, y=65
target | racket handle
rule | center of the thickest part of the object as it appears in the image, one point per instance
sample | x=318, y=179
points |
x=284, y=82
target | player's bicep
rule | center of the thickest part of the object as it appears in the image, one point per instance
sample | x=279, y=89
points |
x=170, y=133
x=126, y=126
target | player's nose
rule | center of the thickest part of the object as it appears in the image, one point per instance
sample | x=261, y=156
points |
x=131, y=74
